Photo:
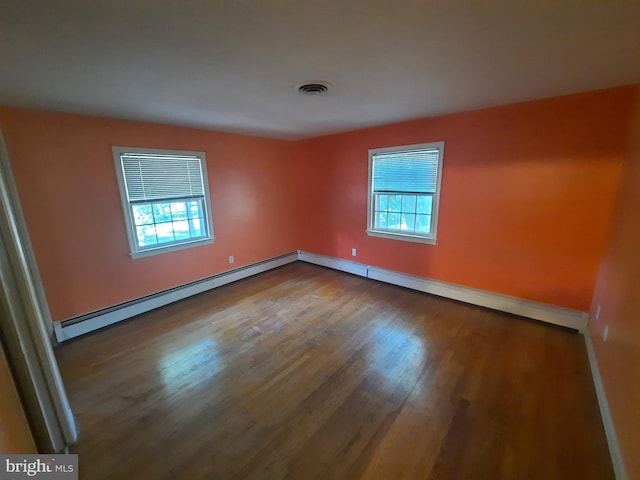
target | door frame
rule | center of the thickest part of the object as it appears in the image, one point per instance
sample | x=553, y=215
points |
x=26, y=326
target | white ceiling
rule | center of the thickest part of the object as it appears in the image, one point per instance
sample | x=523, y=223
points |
x=234, y=65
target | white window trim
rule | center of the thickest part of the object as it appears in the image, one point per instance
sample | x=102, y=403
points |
x=133, y=243
x=432, y=238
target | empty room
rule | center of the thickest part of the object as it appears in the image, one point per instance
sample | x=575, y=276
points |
x=320, y=239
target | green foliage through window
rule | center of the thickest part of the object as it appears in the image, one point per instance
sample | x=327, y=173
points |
x=168, y=222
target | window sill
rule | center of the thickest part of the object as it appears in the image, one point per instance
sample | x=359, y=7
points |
x=402, y=237
x=171, y=248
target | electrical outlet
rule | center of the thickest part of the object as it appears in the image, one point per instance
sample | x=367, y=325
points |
x=605, y=334
x=598, y=313
x=231, y=259
x=354, y=252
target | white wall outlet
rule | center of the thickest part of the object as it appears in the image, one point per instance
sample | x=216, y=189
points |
x=605, y=334
x=231, y=259
x=354, y=252
x=598, y=313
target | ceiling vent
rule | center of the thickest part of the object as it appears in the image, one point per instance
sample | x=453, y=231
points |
x=314, y=88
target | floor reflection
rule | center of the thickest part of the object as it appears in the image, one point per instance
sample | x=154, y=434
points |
x=191, y=365
x=399, y=359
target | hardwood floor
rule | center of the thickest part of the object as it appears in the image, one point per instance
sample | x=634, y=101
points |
x=305, y=373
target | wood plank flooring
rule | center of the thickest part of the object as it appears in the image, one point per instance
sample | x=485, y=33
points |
x=307, y=373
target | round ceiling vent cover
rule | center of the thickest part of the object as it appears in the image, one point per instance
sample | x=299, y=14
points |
x=314, y=88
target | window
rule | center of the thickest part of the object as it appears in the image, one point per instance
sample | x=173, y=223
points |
x=165, y=198
x=404, y=192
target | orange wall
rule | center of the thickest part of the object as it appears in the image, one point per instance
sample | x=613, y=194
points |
x=527, y=199
x=66, y=180
x=618, y=294
x=527, y=195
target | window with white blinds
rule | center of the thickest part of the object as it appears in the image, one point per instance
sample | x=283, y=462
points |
x=404, y=192
x=165, y=198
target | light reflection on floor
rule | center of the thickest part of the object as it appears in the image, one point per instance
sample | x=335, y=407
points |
x=401, y=366
x=190, y=366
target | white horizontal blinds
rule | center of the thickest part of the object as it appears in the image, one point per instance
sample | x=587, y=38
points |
x=161, y=177
x=406, y=172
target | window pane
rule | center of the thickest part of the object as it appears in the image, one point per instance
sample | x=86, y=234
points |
x=181, y=229
x=162, y=212
x=165, y=232
x=382, y=202
x=409, y=204
x=197, y=228
x=195, y=209
x=146, y=235
x=381, y=220
x=179, y=210
x=395, y=203
x=408, y=222
x=142, y=215
x=425, y=203
x=423, y=223
x=394, y=221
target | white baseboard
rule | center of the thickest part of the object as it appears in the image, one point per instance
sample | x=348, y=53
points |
x=334, y=263
x=74, y=327
x=526, y=308
x=607, y=420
